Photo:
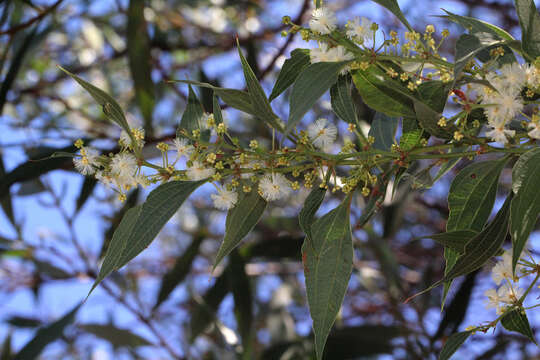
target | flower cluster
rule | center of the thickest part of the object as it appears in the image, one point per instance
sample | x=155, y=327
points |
x=509, y=293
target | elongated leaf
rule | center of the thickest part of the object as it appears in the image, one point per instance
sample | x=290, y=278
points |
x=412, y=134
x=179, y=271
x=455, y=240
x=24, y=322
x=292, y=67
x=428, y=118
x=5, y=351
x=142, y=223
x=310, y=85
x=216, y=109
x=516, y=320
x=468, y=47
x=110, y=107
x=472, y=195
x=234, y=98
x=139, y=56
x=192, y=119
x=383, y=129
x=5, y=199
x=117, y=337
x=45, y=336
x=363, y=341
x=526, y=203
x=311, y=205
x=341, y=100
x=241, y=219
x=257, y=97
x=483, y=246
x=327, y=259
x=529, y=19
x=380, y=93
x=453, y=343
x=393, y=6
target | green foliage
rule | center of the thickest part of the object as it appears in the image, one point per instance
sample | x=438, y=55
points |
x=327, y=257
x=526, y=203
x=453, y=343
x=292, y=67
x=529, y=19
x=116, y=336
x=341, y=99
x=240, y=221
x=193, y=118
x=516, y=320
x=383, y=129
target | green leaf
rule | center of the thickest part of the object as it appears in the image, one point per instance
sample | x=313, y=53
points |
x=341, y=99
x=382, y=94
x=412, y=134
x=216, y=110
x=258, y=98
x=5, y=352
x=241, y=219
x=529, y=19
x=455, y=240
x=193, y=116
x=526, y=203
x=453, y=343
x=310, y=85
x=180, y=270
x=468, y=47
x=142, y=223
x=516, y=320
x=483, y=246
x=46, y=335
x=115, y=336
x=110, y=107
x=428, y=118
x=311, y=205
x=24, y=322
x=363, y=341
x=472, y=195
x=383, y=129
x=234, y=98
x=139, y=57
x=5, y=199
x=292, y=67
x=327, y=259
x=393, y=6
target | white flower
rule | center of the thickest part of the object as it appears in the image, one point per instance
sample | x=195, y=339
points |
x=532, y=76
x=323, y=21
x=322, y=133
x=500, y=134
x=224, y=199
x=87, y=163
x=198, y=171
x=505, y=106
x=360, y=29
x=124, y=165
x=252, y=165
x=503, y=269
x=509, y=294
x=182, y=147
x=138, y=134
x=514, y=76
x=534, y=130
x=319, y=54
x=274, y=187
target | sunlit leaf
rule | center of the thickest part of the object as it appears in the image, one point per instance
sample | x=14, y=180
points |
x=290, y=70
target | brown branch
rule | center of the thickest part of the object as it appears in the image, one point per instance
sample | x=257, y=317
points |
x=26, y=24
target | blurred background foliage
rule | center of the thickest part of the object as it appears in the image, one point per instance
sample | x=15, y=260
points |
x=56, y=225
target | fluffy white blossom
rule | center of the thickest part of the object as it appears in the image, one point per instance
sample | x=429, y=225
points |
x=274, y=187
x=224, y=199
x=360, y=29
x=504, y=105
x=500, y=134
x=515, y=76
x=325, y=54
x=532, y=76
x=322, y=133
x=123, y=170
x=493, y=300
x=182, y=147
x=503, y=269
x=87, y=163
x=197, y=171
x=323, y=21
x=509, y=293
x=534, y=130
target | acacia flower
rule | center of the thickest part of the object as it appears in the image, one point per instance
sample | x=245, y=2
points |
x=515, y=77
x=224, y=199
x=500, y=134
x=182, y=147
x=87, y=163
x=197, y=171
x=534, y=130
x=503, y=269
x=274, y=187
x=323, y=21
x=322, y=133
x=360, y=29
